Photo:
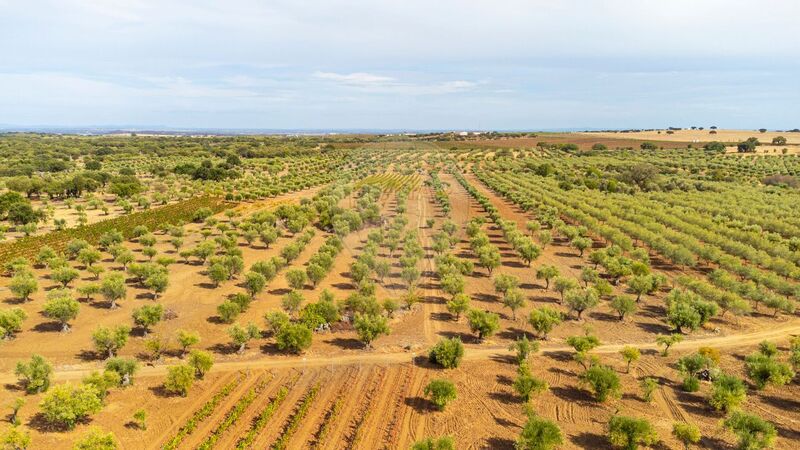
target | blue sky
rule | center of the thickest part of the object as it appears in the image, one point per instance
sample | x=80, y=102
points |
x=408, y=64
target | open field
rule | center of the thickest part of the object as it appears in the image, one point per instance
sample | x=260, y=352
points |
x=699, y=136
x=318, y=289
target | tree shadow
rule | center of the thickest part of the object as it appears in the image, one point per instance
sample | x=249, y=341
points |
x=346, y=343
x=505, y=359
x=162, y=392
x=505, y=380
x=589, y=440
x=420, y=404
x=558, y=355
x=654, y=328
x=691, y=403
x=481, y=297
x=566, y=255
x=40, y=423
x=786, y=404
x=572, y=394
x=89, y=355
x=465, y=337
x=343, y=286
x=224, y=348
x=505, y=397
x=216, y=320
x=605, y=317
x=443, y=317
x=497, y=443
x=47, y=327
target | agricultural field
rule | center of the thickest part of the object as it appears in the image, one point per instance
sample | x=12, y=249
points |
x=592, y=290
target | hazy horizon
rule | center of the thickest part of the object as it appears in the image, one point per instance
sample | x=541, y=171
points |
x=344, y=65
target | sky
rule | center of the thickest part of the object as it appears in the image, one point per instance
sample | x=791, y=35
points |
x=403, y=64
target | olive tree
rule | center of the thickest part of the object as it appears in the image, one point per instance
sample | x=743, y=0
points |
x=447, y=353
x=484, y=323
x=441, y=392
x=35, y=375
x=67, y=404
x=629, y=432
x=544, y=319
x=369, y=327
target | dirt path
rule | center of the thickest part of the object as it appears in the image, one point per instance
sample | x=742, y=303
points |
x=740, y=340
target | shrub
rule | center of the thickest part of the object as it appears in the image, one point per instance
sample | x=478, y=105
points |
x=35, y=375
x=179, y=379
x=544, y=319
x=727, y=393
x=294, y=338
x=201, y=361
x=369, y=327
x=687, y=433
x=484, y=323
x=442, y=443
x=539, y=434
x=603, y=382
x=754, y=433
x=447, y=353
x=764, y=370
x=629, y=432
x=441, y=392
x=66, y=404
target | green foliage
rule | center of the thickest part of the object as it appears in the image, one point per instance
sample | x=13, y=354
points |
x=179, y=379
x=753, y=432
x=369, y=327
x=648, y=386
x=526, y=385
x=23, y=285
x=629, y=433
x=623, y=305
x=11, y=320
x=581, y=300
x=126, y=368
x=484, y=323
x=631, y=355
x=201, y=361
x=441, y=443
x=96, y=439
x=241, y=335
x=727, y=393
x=764, y=370
x=15, y=438
x=539, y=434
x=523, y=348
x=603, y=381
x=66, y=404
x=109, y=341
x=447, y=353
x=35, y=375
x=458, y=305
x=294, y=338
x=544, y=319
x=668, y=341
x=148, y=315
x=686, y=432
x=441, y=392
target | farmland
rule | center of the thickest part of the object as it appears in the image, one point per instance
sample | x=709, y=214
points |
x=370, y=292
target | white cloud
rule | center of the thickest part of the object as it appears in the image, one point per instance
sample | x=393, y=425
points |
x=358, y=79
x=381, y=84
